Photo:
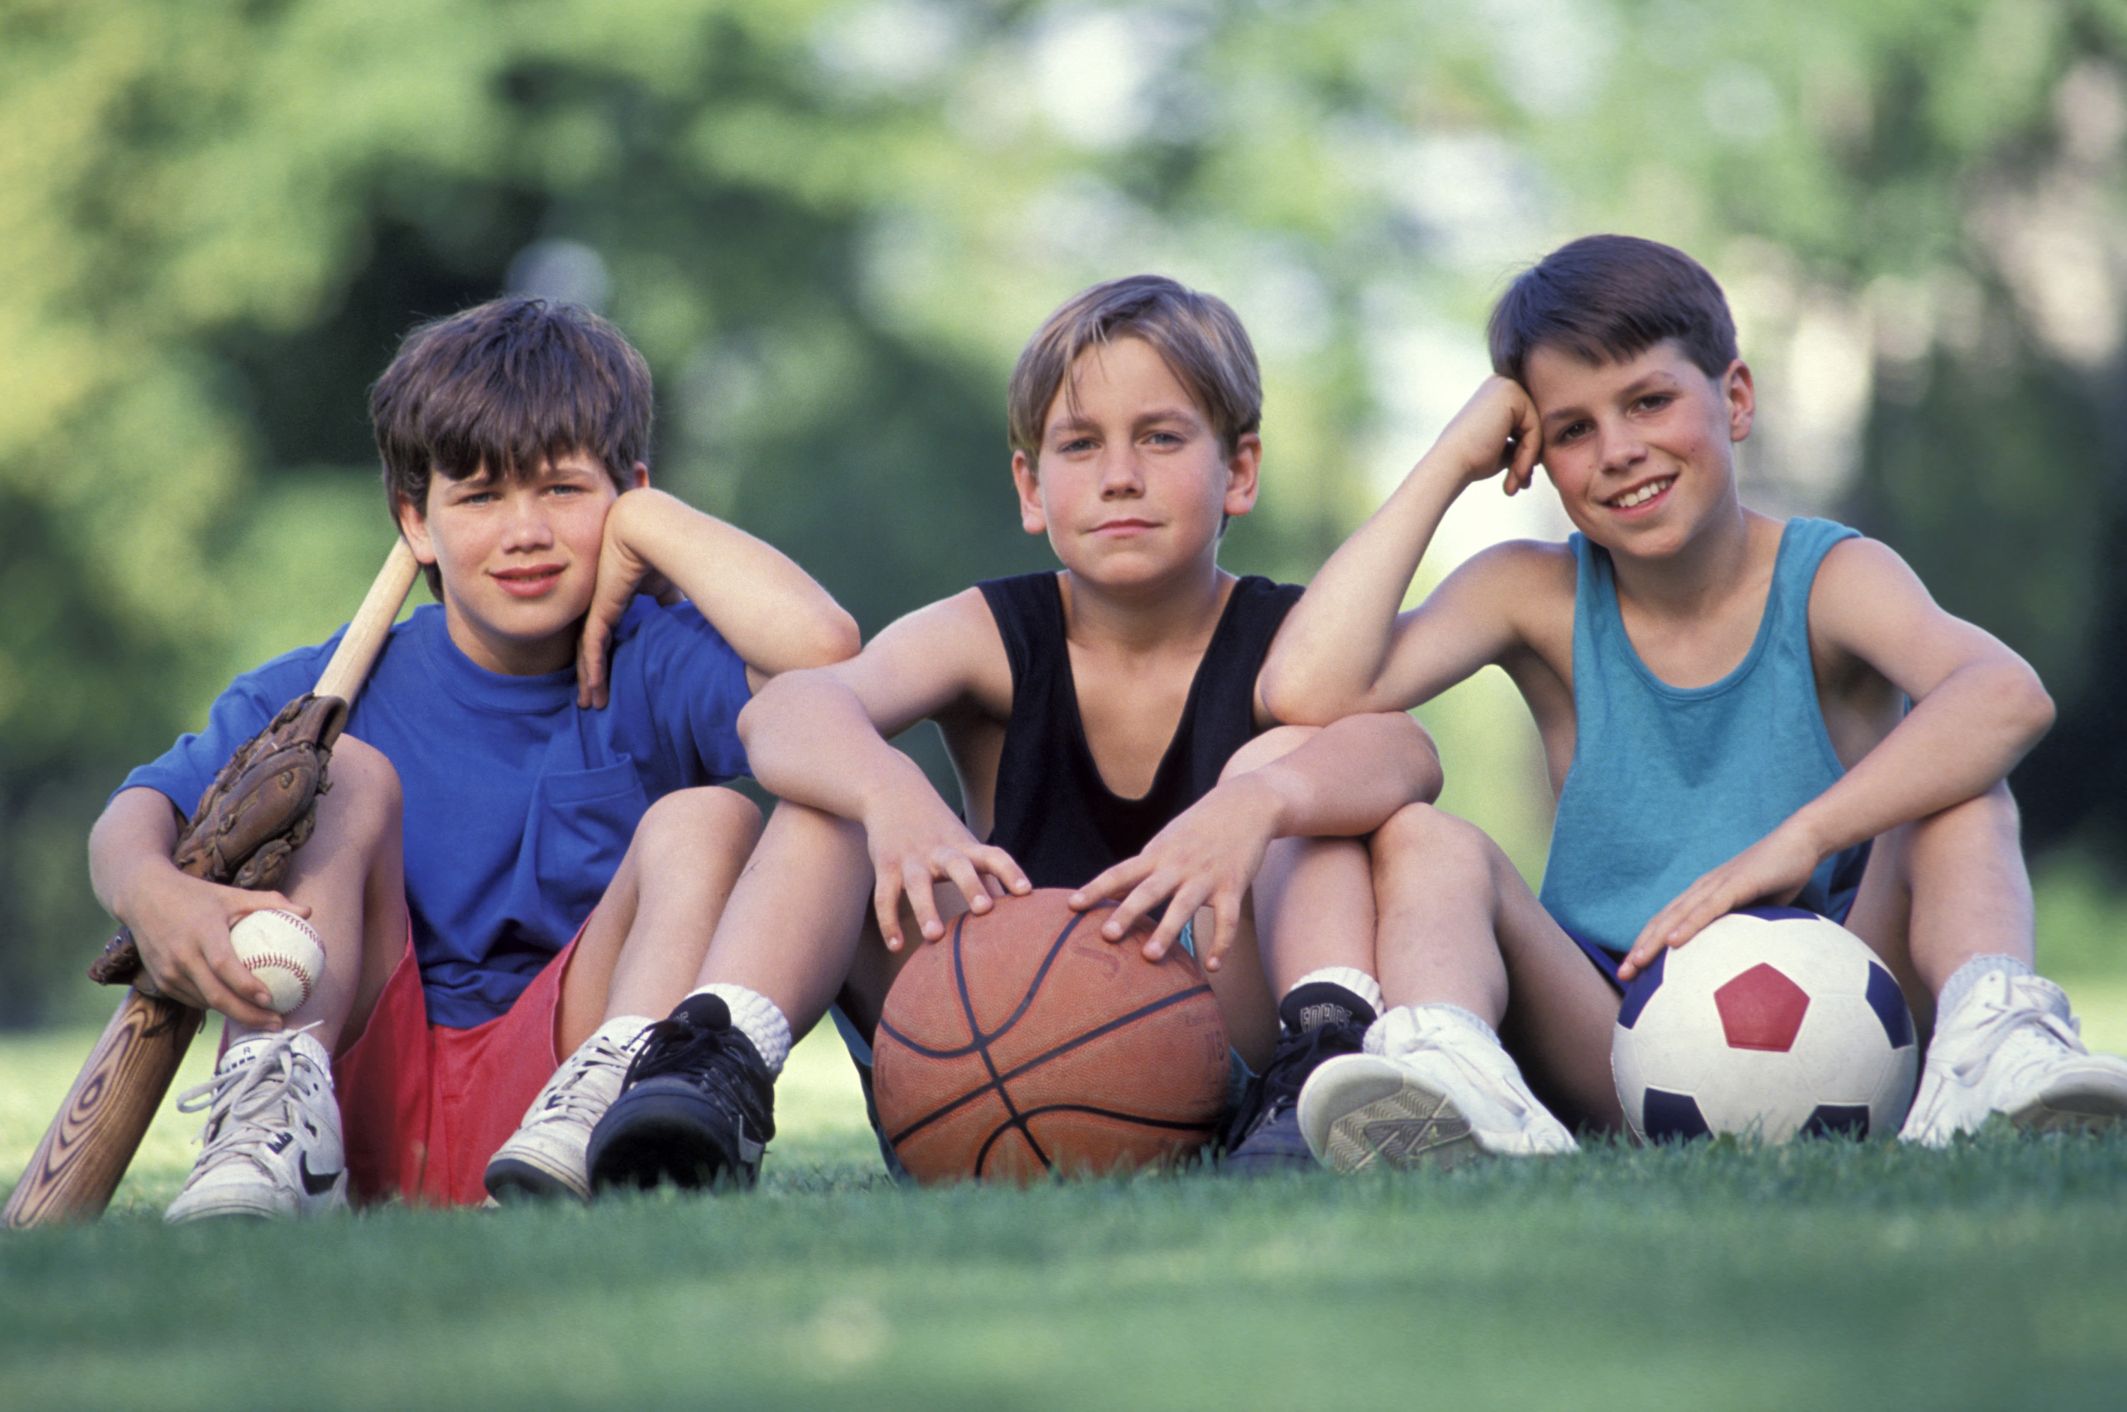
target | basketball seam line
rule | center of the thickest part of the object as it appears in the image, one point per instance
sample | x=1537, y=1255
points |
x=1018, y=1012
x=982, y=1041
x=1087, y=1038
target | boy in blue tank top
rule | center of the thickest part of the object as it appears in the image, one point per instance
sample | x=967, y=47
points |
x=501, y=875
x=1723, y=703
x=1106, y=723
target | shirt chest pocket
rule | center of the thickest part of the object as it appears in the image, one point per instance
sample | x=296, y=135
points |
x=582, y=822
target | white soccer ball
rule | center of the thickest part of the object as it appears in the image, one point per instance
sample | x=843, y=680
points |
x=282, y=950
x=1770, y=1022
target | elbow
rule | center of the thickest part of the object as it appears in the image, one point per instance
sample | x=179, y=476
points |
x=1289, y=701
x=2035, y=706
x=1427, y=776
x=763, y=706
x=835, y=638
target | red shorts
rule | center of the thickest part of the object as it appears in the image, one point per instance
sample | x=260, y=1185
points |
x=422, y=1107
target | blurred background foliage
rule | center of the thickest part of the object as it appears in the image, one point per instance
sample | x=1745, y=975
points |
x=830, y=226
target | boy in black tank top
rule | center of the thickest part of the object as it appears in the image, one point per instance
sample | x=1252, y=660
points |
x=1106, y=726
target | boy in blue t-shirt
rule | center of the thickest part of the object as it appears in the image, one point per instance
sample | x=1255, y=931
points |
x=1723, y=702
x=501, y=874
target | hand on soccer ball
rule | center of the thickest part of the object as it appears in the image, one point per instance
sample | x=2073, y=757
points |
x=1770, y=871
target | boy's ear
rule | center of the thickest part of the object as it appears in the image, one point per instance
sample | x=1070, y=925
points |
x=639, y=479
x=414, y=525
x=1032, y=518
x=1242, y=468
x=1741, y=396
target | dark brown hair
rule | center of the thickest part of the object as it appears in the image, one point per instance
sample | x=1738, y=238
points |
x=1198, y=336
x=1608, y=297
x=507, y=387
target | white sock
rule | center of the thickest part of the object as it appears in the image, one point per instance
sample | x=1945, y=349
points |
x=1961, y=980
x=757, y=1018
x=1356, y=981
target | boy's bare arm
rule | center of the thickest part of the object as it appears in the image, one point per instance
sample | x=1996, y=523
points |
x=774, y=615
x=1344, y=781
x=819, y=738
x=1344, y=649
x=1978, y=708
x=181, y=923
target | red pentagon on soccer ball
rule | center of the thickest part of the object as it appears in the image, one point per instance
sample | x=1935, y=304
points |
x=1761, y=1009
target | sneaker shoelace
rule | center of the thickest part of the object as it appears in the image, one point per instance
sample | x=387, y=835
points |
x=253, y=1097
x=718, y=1060
x=571, y=1096
x=2002, y=1026
x=1277, y=1088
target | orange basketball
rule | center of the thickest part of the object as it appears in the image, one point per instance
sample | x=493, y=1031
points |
x=1024, y=1042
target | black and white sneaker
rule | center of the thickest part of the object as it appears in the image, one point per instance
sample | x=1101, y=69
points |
x=696, y=1108
x=1315, y=1022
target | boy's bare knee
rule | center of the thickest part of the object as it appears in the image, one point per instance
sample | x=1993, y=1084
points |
x=1986, y=820
x=697, y=821
x=365, y=796
x=1272, y=744
x=1420, y=839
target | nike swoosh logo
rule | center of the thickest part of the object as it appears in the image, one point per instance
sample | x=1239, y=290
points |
x=316, y=1183
x=1406, y=1137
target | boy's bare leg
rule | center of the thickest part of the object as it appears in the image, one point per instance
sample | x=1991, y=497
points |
x=269, y=1084
x=636, y=956
x=1459, y=933
x=698, y=1105
x=1297, y=984
x=1946, y=901
x=791, y=931
x=643, y=946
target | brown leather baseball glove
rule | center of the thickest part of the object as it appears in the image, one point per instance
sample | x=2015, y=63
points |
x=258, y=811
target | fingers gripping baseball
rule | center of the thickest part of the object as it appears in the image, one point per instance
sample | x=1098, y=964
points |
x=186, y=951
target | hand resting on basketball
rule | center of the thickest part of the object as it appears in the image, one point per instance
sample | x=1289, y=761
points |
x=1770, y=871
x=916, y=841
x=1207, y=856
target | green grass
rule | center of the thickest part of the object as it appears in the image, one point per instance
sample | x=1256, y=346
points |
x=1719, y=1276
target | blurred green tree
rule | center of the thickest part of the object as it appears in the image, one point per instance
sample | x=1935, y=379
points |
x=830, y=225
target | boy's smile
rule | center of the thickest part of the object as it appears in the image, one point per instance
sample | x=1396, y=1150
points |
x=518, y=558
x=1132, y=482
x=1639, y=448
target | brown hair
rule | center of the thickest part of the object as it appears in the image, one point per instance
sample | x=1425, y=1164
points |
x=1610, y=297
x=1198, y=336
x=508, y=386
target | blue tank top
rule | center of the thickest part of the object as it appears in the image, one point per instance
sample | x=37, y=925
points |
x=1670, y=782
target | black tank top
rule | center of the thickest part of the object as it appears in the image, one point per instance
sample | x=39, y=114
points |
x=1054, y=814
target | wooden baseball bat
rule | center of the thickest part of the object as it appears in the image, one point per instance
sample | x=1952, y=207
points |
x=89, y=1145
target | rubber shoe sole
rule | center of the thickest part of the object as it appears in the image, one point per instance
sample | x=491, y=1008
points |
x=1271, y=1150
x=663, y=1132
x=1359, y=1111
x=2087, y=1100
x=515, y=1180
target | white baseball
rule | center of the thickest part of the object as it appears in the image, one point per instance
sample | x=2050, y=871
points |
x=283, y=951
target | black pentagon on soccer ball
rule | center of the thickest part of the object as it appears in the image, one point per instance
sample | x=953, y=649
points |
x=1844, y=1119
x=1888, y=1001
x=1639, y=990
x=1671, y=1116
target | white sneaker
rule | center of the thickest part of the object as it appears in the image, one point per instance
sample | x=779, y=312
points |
x=1432, y=1090
x=2011, y=1047
x=271, y=1146
x=545, y=1157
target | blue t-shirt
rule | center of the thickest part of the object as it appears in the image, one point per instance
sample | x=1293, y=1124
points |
x=519, y=806
x=1670, y=782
